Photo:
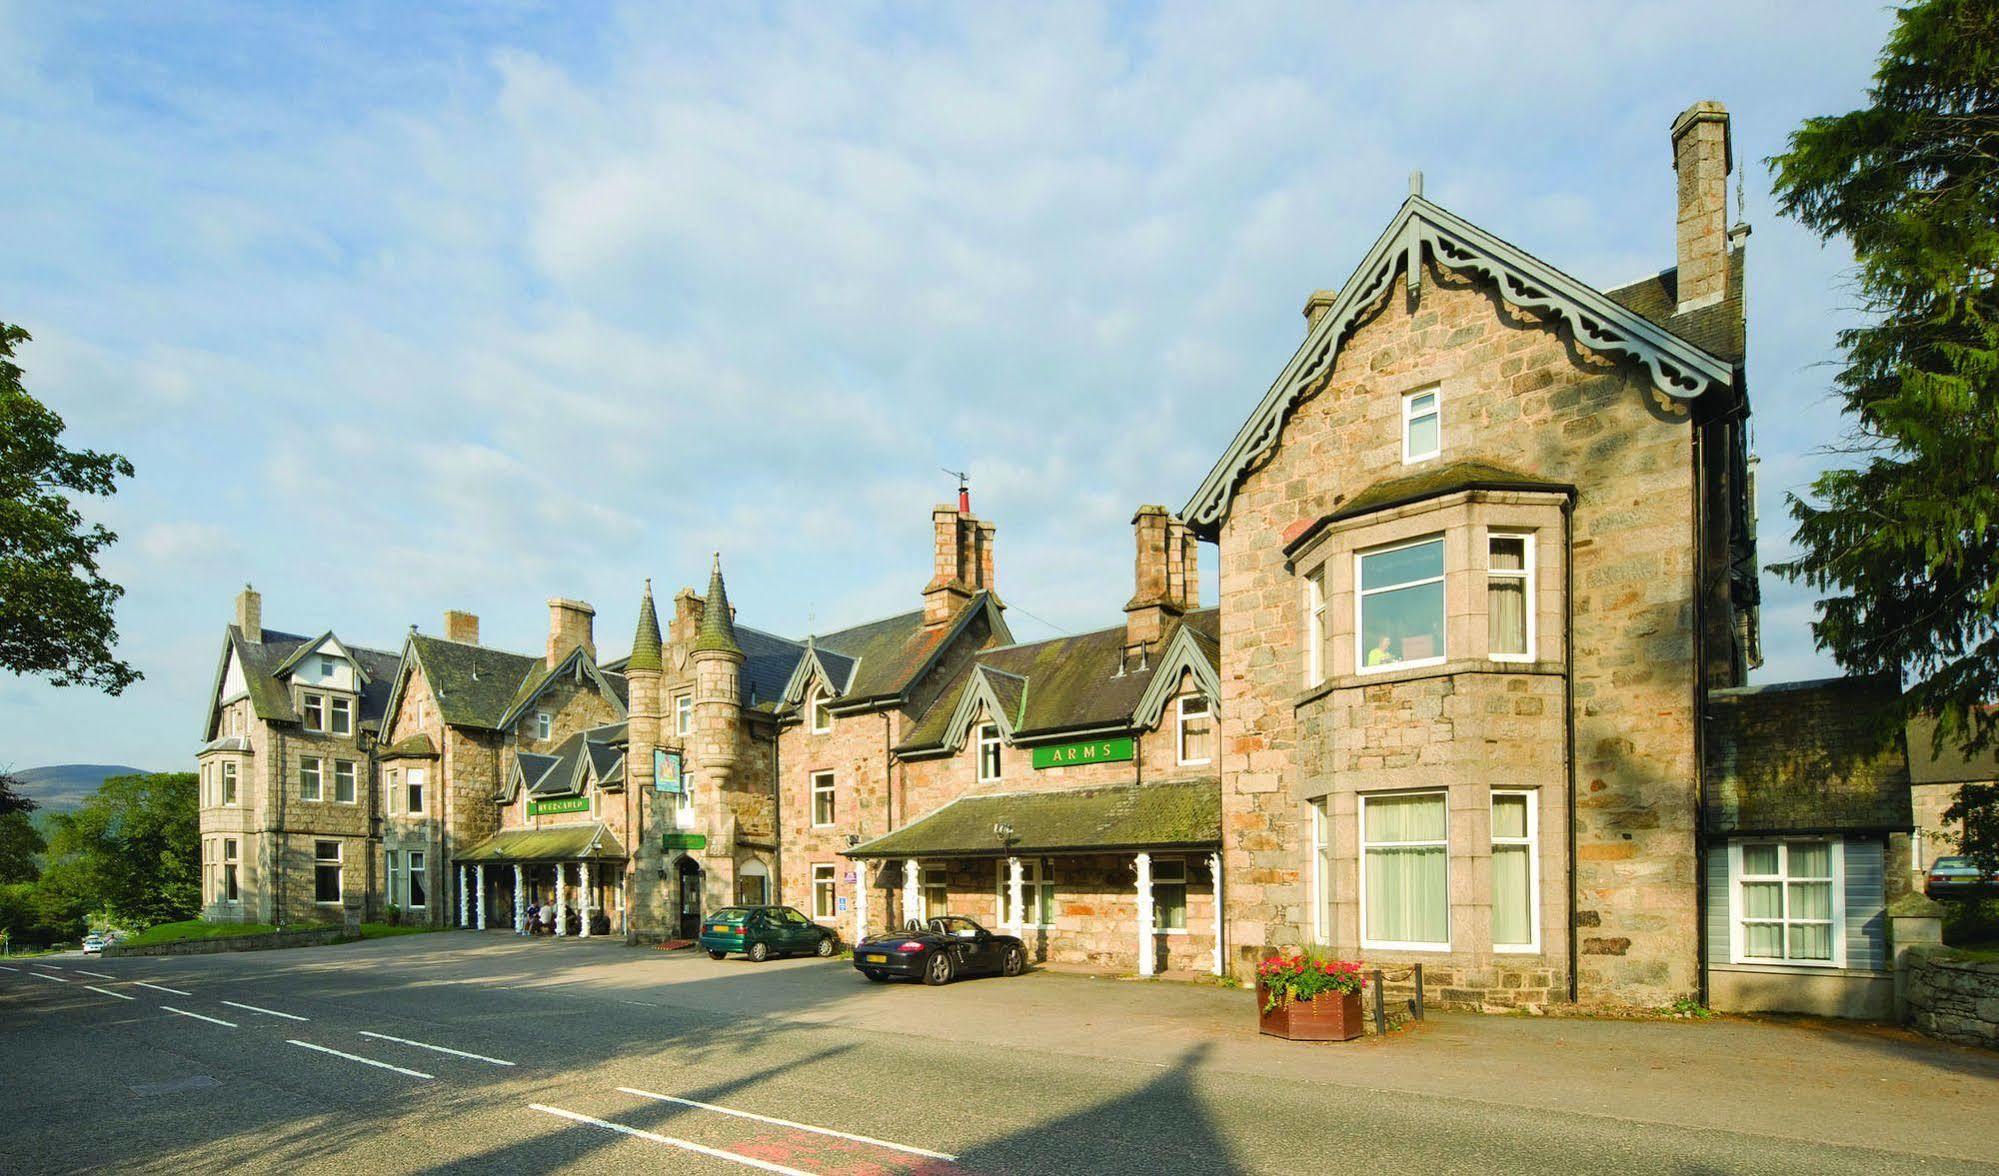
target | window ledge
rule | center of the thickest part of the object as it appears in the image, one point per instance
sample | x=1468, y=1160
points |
x=1464, y=665
x=1774, y=968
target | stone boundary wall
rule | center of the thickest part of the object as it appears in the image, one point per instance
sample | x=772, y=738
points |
x=317, y=937
x=1952, y=996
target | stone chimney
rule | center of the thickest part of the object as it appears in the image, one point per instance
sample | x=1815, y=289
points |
x=250, y=614
x=1165, y=576
x=461, y=626
x=1316, y=307
x=1702, y=158
x=569, y=625
x=963, y=562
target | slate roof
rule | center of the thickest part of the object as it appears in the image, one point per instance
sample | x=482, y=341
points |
x=1948, y=764
x=718, y=623
x=880, y=656
x=417, y=746
x=558, y=843
x=1172, y=814
x=561, y=771
x=269, y=697
x=1805, y=757
x=1716, y=329
x=474, y=686
x=1065, y=683
x=768, y=661
x=1451, y=478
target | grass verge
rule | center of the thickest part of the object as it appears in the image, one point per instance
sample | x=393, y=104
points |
x=196, y=929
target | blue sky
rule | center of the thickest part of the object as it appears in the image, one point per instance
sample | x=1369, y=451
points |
x=401, y=308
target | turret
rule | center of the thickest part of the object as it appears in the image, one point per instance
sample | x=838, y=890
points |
x=643, y=671
x=718, y=664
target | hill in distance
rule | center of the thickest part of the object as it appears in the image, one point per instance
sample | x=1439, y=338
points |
x=62, y=787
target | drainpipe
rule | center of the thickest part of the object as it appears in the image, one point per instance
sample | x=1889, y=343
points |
x=1700, y=528
x=777, y=811
x=277, y=870
x=1569, y=726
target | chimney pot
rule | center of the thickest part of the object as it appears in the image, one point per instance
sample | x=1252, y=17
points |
x=1165, y=575
x=1703, y=156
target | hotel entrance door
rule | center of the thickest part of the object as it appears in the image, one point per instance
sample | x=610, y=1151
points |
x=688, y=873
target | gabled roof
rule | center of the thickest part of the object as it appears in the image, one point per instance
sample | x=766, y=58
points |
x=264, y=663
x=417, y=746
x=576, y=665
x=473, y=685
x=558, y=843
x=1949, y=763
x=880, y=661
x=1679, y=368
x=1167, y=814
x=592, y=756
x=983, y=690
x=306, y=648
x=1805, y=757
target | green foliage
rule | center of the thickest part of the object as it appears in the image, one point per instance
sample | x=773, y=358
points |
x=12, y=799
x=1975, y=811
x=1906, y=538
x=20, y=844
x=1688, y=1008
x=134, y=848
x=1312, y=973
x=55, y=607
x=196, y=929
x=1971, y=922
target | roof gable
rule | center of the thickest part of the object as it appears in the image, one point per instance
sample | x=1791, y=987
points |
x=1678, y=369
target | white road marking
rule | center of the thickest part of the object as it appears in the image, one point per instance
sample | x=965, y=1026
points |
x=50, y=967
x=668, y=1140
x=267, y=1012
x=688, y=1102
x=108, y=992
x=358, y=1058
x=161, y=988
x=439, y=1048
x=87, y=972
x=199, y=1017
x=46, y=976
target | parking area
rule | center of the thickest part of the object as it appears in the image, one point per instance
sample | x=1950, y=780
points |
x=462, y=1051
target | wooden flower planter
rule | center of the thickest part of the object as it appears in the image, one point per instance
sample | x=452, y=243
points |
x=1331, y=1016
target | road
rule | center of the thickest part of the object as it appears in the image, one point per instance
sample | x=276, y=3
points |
x=461, y=1052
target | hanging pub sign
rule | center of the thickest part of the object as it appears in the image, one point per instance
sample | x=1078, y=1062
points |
x=1093, y=751
x=559, y=804
x=665, y=770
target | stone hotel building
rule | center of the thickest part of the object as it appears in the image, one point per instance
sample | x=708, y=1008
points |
x=1473, y=694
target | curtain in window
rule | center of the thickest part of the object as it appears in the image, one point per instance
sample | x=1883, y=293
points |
x=1506, y=597
x=1408, y=886
x=1512, y=874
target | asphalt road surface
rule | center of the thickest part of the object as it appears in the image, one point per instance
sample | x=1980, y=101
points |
x=466, y=1053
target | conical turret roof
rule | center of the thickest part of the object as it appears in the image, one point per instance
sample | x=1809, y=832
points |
x=646, y=642
x=718, y=627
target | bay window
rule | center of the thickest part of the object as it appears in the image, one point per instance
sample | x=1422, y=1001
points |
x=1509, y=597
x=392, y=869
x=1788, y=907
x=230, y=891
x=1516, y=897
x=228, y=782
x=1399, y=608
x=415, y=778
x=1405, y=872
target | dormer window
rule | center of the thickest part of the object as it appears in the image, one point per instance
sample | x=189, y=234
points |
x=544, y=725
x=325, y=666
x=989, y=752
x=822, y=713
x=340, y=713
x=1422, y=425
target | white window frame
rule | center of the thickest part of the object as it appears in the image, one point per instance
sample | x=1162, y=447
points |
x=1315, y=626
x=825, y=891
x=1321, y=841
x=1526, y=576
x=1161, y=868
x=1360, y=596
x=416, y=863
x=1207, y=711
x=683, y=714
x=1737, y=953
x=325, y=665
x=309, y=702
x=1036, y=874
x=353, y=771
x=1533, y=843
x=313, y=768
x=392, y=871
x=544, y=725
x=230, y=798
x=419, y=779
x=1410, y=416
x=338, y=861
x=825, y=783
x=991, y=742
x=819, y=712
x=1360, y=834
x=340, y=708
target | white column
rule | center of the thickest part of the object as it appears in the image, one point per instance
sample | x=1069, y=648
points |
x=464, y=914
x=860, y=901
x=520, y=900
x=561, y=899
x=584, y=869
x=1215, y=874
x=1016, y=907
x=912, y=889
x=479, y=895
x=1146, y=943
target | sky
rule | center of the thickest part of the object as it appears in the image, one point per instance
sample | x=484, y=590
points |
x=401, y=308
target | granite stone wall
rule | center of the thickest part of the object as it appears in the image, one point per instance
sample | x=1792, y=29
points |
x=1953, y=996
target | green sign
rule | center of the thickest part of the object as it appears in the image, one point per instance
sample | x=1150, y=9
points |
x=561, y=804
x=673, y=841
x=1095, y=751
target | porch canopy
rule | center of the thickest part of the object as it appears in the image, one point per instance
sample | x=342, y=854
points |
x=585, y=845
x=1169, y=815
x=562, y=843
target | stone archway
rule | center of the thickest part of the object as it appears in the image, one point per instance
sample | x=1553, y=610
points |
x=753, y=883
x=687, y=896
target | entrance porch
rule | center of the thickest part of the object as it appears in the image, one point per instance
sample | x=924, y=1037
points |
x=566, y=880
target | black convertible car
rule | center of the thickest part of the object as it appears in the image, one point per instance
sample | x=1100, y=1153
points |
x=939, y=950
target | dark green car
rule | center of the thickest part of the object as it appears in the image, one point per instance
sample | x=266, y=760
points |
x=761, y=932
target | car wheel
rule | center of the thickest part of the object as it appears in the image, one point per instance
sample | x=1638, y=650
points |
x=938, y=970
x=716, y=955
x=1015, y=962
x=825, y=949
x=759, y=952
x=875, y=976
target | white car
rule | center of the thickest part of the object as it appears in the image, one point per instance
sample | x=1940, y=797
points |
x=93, y=944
